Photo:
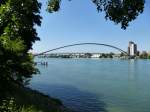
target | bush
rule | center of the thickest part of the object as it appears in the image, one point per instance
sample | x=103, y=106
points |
x=11, y=106
x=8, y=106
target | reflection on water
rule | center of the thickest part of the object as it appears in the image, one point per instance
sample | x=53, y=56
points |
x=87, y=85
x=74, y=98
x=133, y=77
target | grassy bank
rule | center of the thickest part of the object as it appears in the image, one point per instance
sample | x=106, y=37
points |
x=22, y=99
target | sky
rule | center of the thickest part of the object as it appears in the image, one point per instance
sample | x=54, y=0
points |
x=79, y=22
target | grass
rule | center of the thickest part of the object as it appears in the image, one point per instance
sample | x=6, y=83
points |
x=22, y=99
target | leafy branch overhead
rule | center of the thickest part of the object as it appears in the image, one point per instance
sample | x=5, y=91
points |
x=119, y=11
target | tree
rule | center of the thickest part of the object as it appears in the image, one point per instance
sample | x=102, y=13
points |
x=144, y=55
x=17, y=34
x=88, y=55
x=119, y=11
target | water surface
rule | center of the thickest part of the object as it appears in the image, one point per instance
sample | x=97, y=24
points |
x=96, y=85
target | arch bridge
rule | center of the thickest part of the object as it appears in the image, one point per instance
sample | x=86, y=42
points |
x=78, y=44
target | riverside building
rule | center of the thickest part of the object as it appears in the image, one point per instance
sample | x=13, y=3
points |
x=132, y=49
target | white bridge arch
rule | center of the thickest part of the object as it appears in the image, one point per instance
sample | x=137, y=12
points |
x=78, y=44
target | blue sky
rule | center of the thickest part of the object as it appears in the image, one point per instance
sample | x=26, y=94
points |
x=78, y=21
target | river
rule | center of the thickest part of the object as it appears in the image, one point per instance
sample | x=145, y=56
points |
x=96, y=85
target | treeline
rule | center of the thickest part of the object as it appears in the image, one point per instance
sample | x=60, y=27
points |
x=82, y=55
x=144, y=55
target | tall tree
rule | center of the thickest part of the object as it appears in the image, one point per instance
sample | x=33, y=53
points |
x=17, y=34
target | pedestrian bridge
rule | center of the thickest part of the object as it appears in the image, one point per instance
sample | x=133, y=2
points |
x=78, y=44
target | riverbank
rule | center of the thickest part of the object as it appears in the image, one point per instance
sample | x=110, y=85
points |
x=23, y=99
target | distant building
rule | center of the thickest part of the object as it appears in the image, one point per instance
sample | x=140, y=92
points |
x=96, y=55
x=132, y=49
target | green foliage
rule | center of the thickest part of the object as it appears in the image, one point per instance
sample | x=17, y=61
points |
x=17, y=19
x=17, y=34
x=53, y=5
x=119, y=11
x=144, y=55
x=106, y=55
x=10, y=105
